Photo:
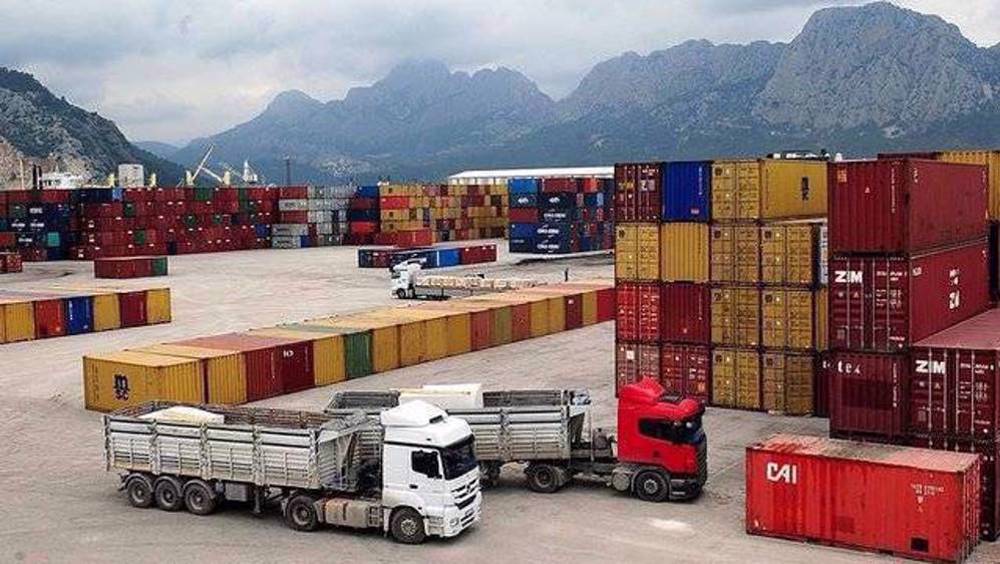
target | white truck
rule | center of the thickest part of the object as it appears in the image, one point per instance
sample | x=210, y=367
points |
x=423, y=482
x=408, y=282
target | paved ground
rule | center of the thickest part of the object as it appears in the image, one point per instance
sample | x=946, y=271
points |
x=60, y=505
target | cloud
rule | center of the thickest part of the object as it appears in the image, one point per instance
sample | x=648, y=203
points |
x=176, y=69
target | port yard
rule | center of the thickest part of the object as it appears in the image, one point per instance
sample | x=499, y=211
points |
x=60, y=504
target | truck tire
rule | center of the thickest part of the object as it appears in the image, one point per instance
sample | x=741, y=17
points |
x=168, y=493
x=651, y=485
x=544, y=478
x=199, y=498
x=300, y=513
x=401, y=294
x=139, y=491
x=407, y=526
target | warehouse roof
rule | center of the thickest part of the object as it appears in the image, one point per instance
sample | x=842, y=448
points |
x=583, y=171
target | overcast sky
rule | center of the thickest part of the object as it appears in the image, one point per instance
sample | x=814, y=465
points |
x=171, y=70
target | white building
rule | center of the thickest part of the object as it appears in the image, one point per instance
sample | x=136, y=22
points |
x=131, y=176
x=503, y=175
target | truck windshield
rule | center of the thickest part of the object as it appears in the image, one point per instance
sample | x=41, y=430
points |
x=680, y=432
x=458, y=459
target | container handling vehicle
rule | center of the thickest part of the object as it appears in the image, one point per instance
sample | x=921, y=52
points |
x=408, y=282
x=660, y=452
x=424, y=481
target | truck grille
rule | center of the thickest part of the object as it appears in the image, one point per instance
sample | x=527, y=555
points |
x=466, y=494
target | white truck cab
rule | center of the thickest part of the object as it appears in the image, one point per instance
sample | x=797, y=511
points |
x=404, y=276
x=430, y=476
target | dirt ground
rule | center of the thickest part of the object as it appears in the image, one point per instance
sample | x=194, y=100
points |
x=59, y=503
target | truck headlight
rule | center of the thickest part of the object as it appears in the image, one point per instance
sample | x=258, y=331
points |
x=455, y=521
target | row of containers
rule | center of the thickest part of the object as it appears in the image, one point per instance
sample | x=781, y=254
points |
x=60, y=311
x=423, y=214
x=914, y=340
x=561, y=215
x=721, y=280
x=130, y=267
x=242, y=367
x=10, y=262
x=439, y=256
x=311, y=216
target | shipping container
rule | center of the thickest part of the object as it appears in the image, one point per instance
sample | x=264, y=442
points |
x=791, y=253
x=989, y=522
x=685, y=313
x=458, y=325
x=955, y=381
x=735, y=254
x=19, y=320
x=788, y=320
x=123, y=379
x=639, y=312
x=79, y=315
x=259, y=356
x=384, y=338
x=638, y=192
x=637, y=252
x=989, y=159
x=886, y=303
x=687, y=191
x=158, y=307
x=905, y=206
x=326, y=354
x=224, y=372
x=869, y=394
x=821, y=386
x=133, y=308
x=768, y=189
x=907, y=502
x=736, y=316
x=686, y=370
x=684, y=252
x=635, y=362
x=50, y=318
x=788, y=380
x=357, y=344
x=107, y=312
x=736, y=378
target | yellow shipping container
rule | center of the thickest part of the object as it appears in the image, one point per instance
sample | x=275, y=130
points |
x=3, y=324
x=735, y=254
x=107, y=315
x=648, y=253
x=434, y=326
x=723, y=316
x=223, y=371
x=19, y=321
x=736, y=378
x=723, y=253
x=540, y=317
x=684, y=252
x=768, y=189
x=589, y=308
x=385, y=337
x=555, y=308
x=788, y=382
x=821, y=317
x=790, y=253
x=626, y=252
x=123, y=379
x=991, y=159
x=736, y=316
x=788, y=318
x=458, y=327
x=158, y=306
x=327, y=352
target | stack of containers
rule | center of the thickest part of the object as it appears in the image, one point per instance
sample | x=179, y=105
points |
x=130, y=267
x=363, y=216
x=560, y=215
x=767, y=296
x=240, y=367
x=419, y=215
x=10, y=262
x=438, y=256
x=44, y=223
x=311, y=216
x=908, y=259
x=143, y=221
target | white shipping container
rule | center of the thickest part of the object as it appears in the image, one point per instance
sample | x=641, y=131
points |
x=289, y=229
x=293, y=205
x=283, y=242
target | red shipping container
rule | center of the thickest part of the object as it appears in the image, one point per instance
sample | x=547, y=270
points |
x=574, y=311
x=259, y=354
x=115, y=268
x=987, y=451
x=590, y=185
x=955, y=380
x=482, y=329
x=638, y=307
x=908, y=502
x=557, y=185
x=686, y=313
x=869, y=394
x=7, y=239
x=886, y=303
x=821, y=387
x=292, y=192
x=363, y=227
x=523, y=215
x=686, y=370
x=132, y=306
x=50, y=319
x=394, y=202
x=904, y=206
x=634, y=362
x=606, y=305
x=418, y=238
x=645, y=182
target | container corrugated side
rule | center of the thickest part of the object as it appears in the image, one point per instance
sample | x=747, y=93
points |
x=224, y=372
x=990, y=159
x=788, y=380
x=458, y=325
x=19, y=321
x=869, y=394
x=107, y=312
x=684, y=252
x=736, y=378
x=384, y=341
x=736, y=316
x=735, y=254
x=788, y=318
x=327, y=352
x=158, y=306
x=793, y=189
x=357, y=344
x=124, y=379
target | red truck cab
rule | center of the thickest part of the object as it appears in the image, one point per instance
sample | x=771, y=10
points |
x=662, y=448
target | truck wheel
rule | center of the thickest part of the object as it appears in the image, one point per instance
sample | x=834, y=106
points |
x=543, y=478
x=167, y=493
x=651, y=485
x=199, y=498
x=489, y=474
x=407, y=527
x=401, y=294
x=139, y=491
x=300, y=513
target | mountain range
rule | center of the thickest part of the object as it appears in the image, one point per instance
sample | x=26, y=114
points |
x=38, y=127
x=855, y=80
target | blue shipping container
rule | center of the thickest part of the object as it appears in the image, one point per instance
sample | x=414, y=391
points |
x=559, y=215
x=593, y=200
x=555, y=230
x=449, y=257
x=687, y=193
x=522, y=186
x=79, y=314
x=555, y=245
x=367, y=192
x=522, y=245
x=522, y=230
x=524, y=200
x=555, y=201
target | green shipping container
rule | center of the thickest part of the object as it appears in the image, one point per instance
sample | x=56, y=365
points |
x=139, y=237
x=159, y=266
x=502, y=328
x=52, y=239
x=190, y=221
x=357, y=347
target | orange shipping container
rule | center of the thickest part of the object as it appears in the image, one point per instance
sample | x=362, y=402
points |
x=224, y=372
